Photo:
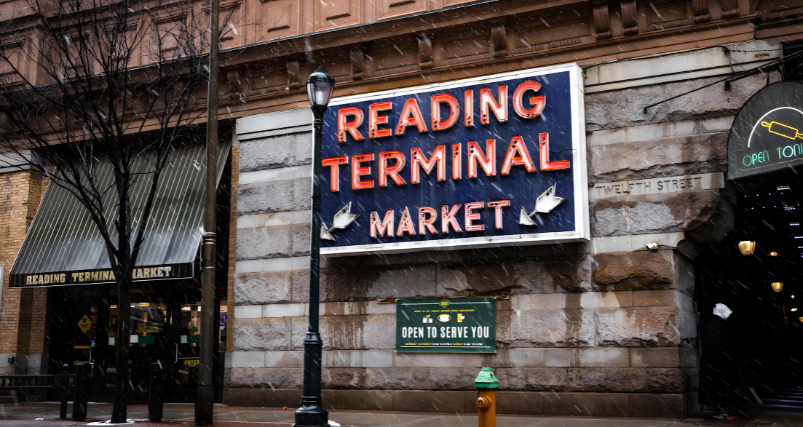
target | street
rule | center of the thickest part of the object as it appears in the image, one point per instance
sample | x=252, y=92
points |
x=46, y=414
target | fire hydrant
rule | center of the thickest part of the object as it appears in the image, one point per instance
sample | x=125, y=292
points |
x=487, y=384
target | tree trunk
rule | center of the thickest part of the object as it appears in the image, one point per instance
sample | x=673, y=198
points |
x=120, y=410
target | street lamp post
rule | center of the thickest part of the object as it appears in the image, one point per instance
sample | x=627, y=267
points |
x=320, y=87
x=205, y=395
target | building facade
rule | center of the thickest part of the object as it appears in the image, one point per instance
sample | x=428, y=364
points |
x=605, y=326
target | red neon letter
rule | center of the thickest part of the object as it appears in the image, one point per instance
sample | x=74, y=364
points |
x=498, y=205
x=411, y=115
x=437, y=124
x=517, y=154
x=357, y=171
x=420, y=160
x=537, y=102
x=456, y=161
x=448, y=217
x=471, y=216
x=468, y=105
x=334, y=171
x=426, y=216
x=351, y=127
x=374, y=120
x=499, y=108
x=381, y=227
x=546, y=165
x=488, y=163
x=390, y=171
x=406, y=224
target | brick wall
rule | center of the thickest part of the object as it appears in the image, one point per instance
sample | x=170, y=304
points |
x=23, y=315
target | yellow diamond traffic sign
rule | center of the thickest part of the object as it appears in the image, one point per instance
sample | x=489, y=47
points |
x=85, y=323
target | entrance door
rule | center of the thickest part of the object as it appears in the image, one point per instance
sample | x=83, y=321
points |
x=751, y=352
x=164, y=328
x=187, y=355
x=149, y=326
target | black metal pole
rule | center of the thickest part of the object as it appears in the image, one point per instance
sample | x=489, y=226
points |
x=311, y=413
x=205, y=396
x=156, y=393
x=65, y=391
x=81, y=397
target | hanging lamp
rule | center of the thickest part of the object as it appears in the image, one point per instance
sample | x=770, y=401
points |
x=747, y=247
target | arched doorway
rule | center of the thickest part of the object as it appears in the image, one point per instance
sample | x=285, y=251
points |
x=755, y=357
x=751, y=347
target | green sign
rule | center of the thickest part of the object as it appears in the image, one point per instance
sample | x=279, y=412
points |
x=194, y=338
x=463, y=325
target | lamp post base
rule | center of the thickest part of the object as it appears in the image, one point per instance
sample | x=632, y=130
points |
x=312, y=416
x=204, y=401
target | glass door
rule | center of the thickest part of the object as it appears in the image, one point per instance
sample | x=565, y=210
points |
x=164, y=328
x=148, y=330
x=187, y=349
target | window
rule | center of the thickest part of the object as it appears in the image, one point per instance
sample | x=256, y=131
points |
x=793, y=69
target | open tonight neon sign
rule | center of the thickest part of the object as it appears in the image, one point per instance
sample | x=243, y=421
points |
x=497, y=160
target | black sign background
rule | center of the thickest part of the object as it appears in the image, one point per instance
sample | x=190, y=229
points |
x=767, y=134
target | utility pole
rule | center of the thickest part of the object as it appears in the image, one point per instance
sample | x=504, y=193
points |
x=205, y=396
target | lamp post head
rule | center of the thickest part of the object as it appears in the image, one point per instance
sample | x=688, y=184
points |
x=320, y=87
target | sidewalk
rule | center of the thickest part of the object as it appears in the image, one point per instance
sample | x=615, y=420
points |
x=46, y=414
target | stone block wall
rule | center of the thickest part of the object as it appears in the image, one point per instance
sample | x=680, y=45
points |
x=603, y=328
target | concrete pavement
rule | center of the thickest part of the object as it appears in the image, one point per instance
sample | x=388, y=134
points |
x=46, y=414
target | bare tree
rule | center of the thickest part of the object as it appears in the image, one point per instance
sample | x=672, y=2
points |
x=113, y=81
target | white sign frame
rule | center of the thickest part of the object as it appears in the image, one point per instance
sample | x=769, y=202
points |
x=579, y=165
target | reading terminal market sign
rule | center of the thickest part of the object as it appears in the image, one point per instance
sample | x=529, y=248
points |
x=496, y=160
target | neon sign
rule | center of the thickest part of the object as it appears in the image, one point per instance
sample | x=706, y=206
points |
x=487, y=161
x=764, y=134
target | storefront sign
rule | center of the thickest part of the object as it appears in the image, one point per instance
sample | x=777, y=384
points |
x=497, y=160
x=191, y=363
x=767, y=134
x=465, y=325
x=161, y=272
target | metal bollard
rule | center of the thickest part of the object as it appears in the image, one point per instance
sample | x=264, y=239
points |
x=81, y=395
x=486, y=384
x=65, y=390
x=156, y=393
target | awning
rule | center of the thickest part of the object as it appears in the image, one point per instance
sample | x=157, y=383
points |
x=64, y=247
